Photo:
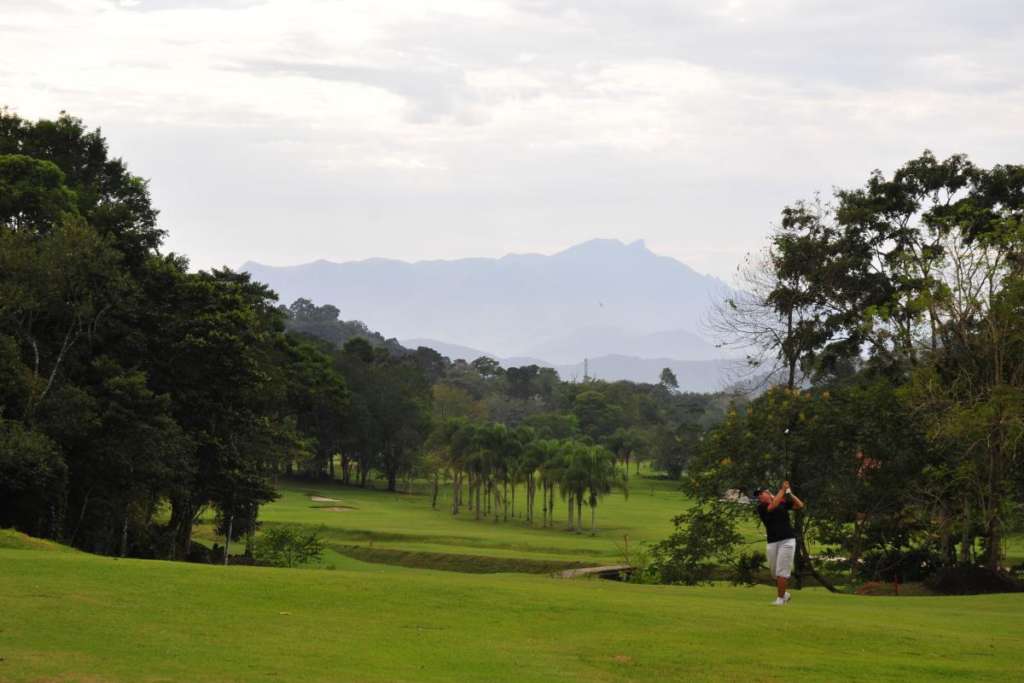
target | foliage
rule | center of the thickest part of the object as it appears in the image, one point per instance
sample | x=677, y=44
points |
x=746, y=567
x=704, y=537
x=289, y=546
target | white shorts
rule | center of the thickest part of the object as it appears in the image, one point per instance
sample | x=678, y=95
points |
x=780, y=557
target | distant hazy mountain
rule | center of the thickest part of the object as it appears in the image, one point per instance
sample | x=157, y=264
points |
x=453, y=351
x=693, y=375
x=592, y=342
x=598, y=298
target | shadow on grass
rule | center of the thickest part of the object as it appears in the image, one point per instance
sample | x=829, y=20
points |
x=468, y=564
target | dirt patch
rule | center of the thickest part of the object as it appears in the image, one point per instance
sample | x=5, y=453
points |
x=321, y=499
x=337, y=508
x=623, y=659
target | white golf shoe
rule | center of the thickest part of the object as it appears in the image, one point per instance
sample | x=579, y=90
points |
x=779, y=601
x=786, y=597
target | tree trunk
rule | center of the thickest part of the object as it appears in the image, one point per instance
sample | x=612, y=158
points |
x=181, y=528
x=571, y=528
x=124, y=533
x=477, y=506
x=579, y=511
x=227, y=537
x=551, y=505
x=804, y=560
x=250, y=534
x=965, y=536
x=81, y=516
x=433, y=500
x=993, y=548
x=593, y=515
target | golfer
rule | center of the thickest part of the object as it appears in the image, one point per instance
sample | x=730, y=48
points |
x=774, y=513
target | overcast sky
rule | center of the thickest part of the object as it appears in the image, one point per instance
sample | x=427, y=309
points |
x=284, y=131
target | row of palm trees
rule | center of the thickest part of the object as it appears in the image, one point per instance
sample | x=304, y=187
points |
x=487, y=462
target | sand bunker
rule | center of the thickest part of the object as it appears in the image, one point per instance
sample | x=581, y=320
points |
x=321, y=499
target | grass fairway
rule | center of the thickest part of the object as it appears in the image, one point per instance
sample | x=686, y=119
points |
x=405, y=522
x=78, y=617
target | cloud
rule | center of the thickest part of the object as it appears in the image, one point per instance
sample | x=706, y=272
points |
x=438, y=128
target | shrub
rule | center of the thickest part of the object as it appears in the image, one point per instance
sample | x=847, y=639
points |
x=289, y=546
x=703, y=539
x=745, y=568
x=913, y=564
x=972, y=580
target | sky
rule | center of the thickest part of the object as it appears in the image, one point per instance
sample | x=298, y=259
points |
x=286, y=131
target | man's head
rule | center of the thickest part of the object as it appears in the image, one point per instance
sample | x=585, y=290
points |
x=763, y=496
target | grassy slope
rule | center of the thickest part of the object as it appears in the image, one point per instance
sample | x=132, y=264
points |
x=15, y=540
x=77, y=617
x=406, y=522
x=386, y=522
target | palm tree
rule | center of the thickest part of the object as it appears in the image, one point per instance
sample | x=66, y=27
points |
x=573, y=480
x=601, y=476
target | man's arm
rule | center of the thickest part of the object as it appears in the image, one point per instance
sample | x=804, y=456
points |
x=797, y=503
x=779, y=497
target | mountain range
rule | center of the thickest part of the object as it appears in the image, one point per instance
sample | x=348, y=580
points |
x=620, y=305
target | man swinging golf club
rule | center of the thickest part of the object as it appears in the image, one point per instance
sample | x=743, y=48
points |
x=774, y=513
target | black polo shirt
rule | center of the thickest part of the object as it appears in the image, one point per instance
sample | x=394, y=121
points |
x=776, y=522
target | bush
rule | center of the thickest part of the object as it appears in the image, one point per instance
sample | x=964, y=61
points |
x=289, y=546
x=703, y=539
x=745, y=568
x=199, y=553
x=972, y=580
x=914, y=564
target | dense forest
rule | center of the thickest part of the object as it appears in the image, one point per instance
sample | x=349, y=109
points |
x=135, y=395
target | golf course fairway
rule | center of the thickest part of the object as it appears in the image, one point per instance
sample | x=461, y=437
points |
x=69, y=616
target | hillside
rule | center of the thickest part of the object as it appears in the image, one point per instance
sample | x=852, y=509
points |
x=601, y=297
x=80, y=617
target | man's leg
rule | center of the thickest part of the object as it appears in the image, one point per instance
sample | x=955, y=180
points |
x=784, y=565
x=772, y=553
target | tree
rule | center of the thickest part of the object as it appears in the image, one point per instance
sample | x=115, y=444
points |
x=704, y=537
x=289, y=546
x=624, y=442
x=601, y=477
x=597, y=417
x=668, y=379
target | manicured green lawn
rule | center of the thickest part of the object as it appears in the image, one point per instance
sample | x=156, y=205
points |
x=405, y=521
x=383, y=522
x=78, y=617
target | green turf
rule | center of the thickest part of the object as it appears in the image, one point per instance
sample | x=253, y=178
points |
x=78, y=617
x=402, y=529
x=405, y=522
x=15, y=540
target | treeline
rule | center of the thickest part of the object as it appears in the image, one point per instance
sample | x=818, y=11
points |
x=894, y=316
x=488, y=431
x=135, y=396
